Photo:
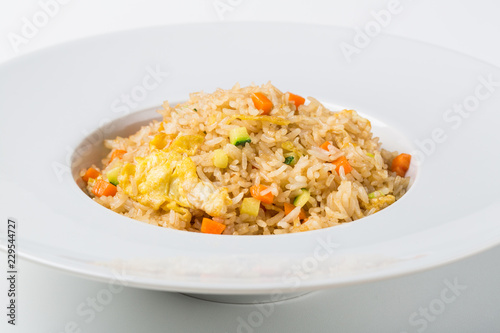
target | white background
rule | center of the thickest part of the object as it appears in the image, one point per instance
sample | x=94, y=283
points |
x=48, y=300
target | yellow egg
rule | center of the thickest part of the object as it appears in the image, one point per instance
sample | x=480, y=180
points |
x=168, y=180
x=379, y=203
x=187, y=144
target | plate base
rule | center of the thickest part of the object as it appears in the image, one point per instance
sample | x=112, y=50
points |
x=247, y=299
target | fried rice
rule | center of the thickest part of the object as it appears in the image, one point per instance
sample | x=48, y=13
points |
x=187, y=168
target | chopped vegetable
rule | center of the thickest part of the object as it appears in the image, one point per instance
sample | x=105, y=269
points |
x=117, y=154
x=262, y=103
x=292, y=151
x=288, y=207
x=256, y=191
x=342, y=162
x=113, y=175
x=250, y=206
x=195, y=110
x=90, y=173
x=91, y=182
x=302, y=198
x=296, y=99
x=220, y=158
x=209, y=226
x=288, y=145
x=370, y=155
x=325, y=145
x=401, y=164
x=378, y=194
x=103, y=188
x=239, y=136
x=289, y=159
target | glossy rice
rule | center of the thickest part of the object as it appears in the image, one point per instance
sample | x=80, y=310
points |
x=336, y=197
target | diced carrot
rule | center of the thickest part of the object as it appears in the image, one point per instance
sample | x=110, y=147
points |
x=296, y=99
x=342, y=162
x=103, y=188
x=325, y=145
x=117, y=154
x=288, y=207
x=90, y=173
x=262, y=103
x=256, y=191
x=209, y=226
x=401, y=164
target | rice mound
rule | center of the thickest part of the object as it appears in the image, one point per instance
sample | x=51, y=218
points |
x=335, y=197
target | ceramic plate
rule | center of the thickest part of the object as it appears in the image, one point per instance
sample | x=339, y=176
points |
x=58, y=104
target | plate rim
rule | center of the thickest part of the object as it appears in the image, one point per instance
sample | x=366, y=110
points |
x=371, y=277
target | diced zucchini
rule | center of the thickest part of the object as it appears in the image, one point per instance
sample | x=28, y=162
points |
x=221, y=159
x=239, y=136
x=291, y=151
x=289, y=159
x=250, y=206
x=113, y=175
x=302, y=198
x=378, y=194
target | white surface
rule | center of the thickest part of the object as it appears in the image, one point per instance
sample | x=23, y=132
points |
x=48, y=300
x=395, y=241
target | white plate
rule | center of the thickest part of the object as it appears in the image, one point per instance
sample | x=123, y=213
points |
x=51, y=100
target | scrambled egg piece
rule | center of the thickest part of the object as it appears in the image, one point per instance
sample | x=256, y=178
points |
x=168, y=180
x=379, y=203
x=188, y=144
